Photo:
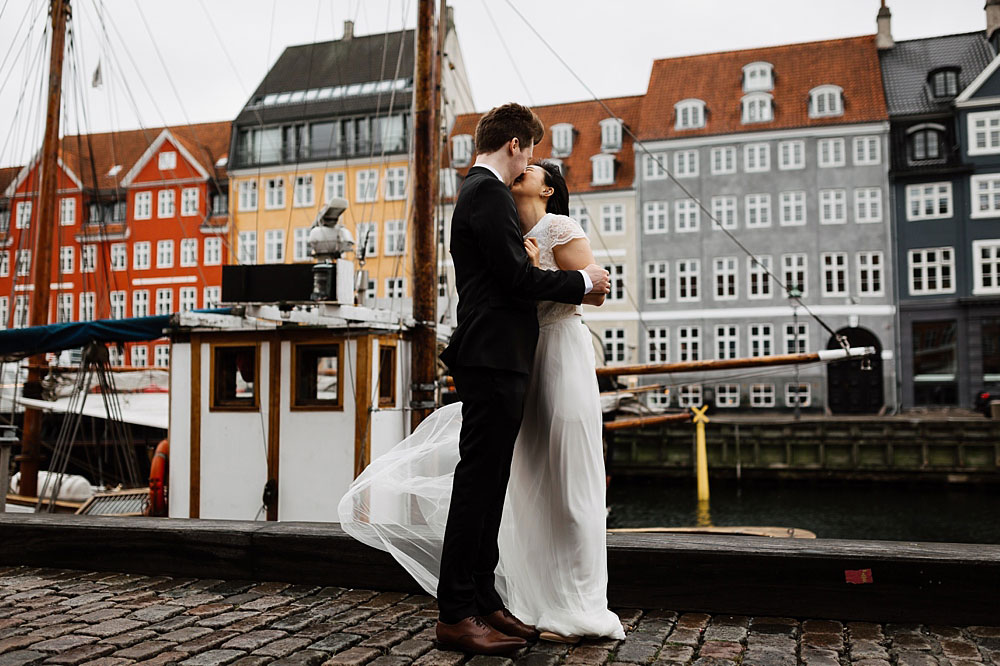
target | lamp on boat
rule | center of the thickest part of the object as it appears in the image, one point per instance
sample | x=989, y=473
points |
x=328, y=242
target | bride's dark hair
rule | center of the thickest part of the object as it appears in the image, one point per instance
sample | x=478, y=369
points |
x=559, y=201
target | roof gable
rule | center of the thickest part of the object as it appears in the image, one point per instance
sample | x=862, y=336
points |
x=986, y=85
x=145, y=169
x=716, y=78
x=66, y=179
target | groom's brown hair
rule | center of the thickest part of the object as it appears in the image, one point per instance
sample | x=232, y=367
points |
x=503, y=123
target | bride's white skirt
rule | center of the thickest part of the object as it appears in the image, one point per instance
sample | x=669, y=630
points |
x=553, y=569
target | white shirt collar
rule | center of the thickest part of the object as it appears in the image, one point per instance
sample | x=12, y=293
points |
x=487, y=166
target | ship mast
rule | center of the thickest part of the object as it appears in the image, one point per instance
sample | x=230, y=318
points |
x=425, y=112
x=41, y=263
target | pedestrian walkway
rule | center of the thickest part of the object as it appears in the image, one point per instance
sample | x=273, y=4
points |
x=52, y=616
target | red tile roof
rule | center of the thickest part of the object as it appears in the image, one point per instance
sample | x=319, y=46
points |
x=584, y=117
x=7, y=174
x=206, y=142
x=716, y=78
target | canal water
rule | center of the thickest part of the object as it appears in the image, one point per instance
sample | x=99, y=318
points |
x=845, y=510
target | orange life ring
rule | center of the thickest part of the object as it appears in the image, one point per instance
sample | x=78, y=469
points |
x=159, y=471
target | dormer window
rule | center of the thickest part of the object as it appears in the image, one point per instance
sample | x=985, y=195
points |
x=603, y=170
x=611, y=134
x=757, y=108
x=167, y=160
x=461, y=150
x=925, y=142
x=562, y=139
x=825, y=101
x=689, y=114
x=758, y=76
x=944, y=83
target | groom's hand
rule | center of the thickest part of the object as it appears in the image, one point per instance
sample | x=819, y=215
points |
x=600, y=278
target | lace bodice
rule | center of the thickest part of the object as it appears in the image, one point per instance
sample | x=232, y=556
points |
x=550, y=231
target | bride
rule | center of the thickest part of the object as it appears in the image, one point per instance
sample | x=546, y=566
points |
x=553, y=555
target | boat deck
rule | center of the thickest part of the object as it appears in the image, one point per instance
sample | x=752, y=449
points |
x=71, y=617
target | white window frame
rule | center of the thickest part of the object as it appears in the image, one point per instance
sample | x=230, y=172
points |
x=67, y=211
x=688, y=280
x=760, y=339
x=562, y=139
x=212, y=296
x=304, y=192
x=616, y=274
x=984, y=186
x=725, y=274
x=658, y=344
x=991, y=247
x=246, y=247
x=758, y=210
x=143, y=206
x=933, y=193
x=165, y=253
x=757, y=107
x=868, y=205
x=656, y=217
x=395, y=287
x=274, y=193
x=461, y=150
x=334, y=186
x=944, y=259
x=804, y=397
x=166, y=204
x=689, y=114
x=689, y=343
x=161, y=356
x=687, y=216
x=793, y=264
x=395, y=183
x=867, y=150
x=830, y=263
x=212, y=247
x=118, y=302
x=189, y=252
x=119, y=256
x=246, y=195
x=164, y=301
x=831, y=152
x=64, y=308
x=790, y=337
x=727, y=396
x=614, y=341
x=167, y=160
x=189, y=201
x=658, y=281
x=725, y=210
x=613, y=219
x=758, y=75
x=757, y=157
x=759, y=285
x=22, y=260
x=654, y=166
x=686, y=163
x=611, y=134
x=140, y=303
x=67, y=259
x=830, y=97
x=395, y=238
x=792, y=208
x=795, y=152
x=274, y=246
x=602, y=169
x=142, y=253
x=762, y=396
x=990, y=133
x=88, y=306
x=727, y=341
x=139, y=355
x=88, y=258
x=689, y=395
x=833, y=206
x=188, y=298
x=869, y=270
x=723, y=160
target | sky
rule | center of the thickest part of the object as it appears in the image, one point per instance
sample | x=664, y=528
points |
x=179, y=61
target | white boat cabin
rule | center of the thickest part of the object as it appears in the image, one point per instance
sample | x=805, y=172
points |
x=275, y=411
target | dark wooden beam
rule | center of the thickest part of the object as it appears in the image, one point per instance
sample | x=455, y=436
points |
x=804, y=578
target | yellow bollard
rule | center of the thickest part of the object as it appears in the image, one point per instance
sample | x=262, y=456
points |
x=701, y=455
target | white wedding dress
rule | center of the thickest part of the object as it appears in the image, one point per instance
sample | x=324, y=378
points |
x=553, y=556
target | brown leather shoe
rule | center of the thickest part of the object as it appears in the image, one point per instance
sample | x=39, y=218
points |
x=473, y=635
x=503, y=621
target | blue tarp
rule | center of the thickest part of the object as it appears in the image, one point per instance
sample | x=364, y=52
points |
x=20, y=342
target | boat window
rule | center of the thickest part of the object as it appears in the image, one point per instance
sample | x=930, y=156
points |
x=234, y=377
x=317, y=376
x=386, y=375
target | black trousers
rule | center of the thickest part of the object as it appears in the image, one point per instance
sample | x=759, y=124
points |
x=492, y=406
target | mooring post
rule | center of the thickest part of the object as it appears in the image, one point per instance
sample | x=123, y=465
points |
x=701, y=454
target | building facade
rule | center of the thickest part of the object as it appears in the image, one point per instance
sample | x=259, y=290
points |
x=141, y=229
x=945, y=217
x=333, y=119
x=595, y=155
x=786, y=150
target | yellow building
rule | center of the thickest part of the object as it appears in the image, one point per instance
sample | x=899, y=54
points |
x=334, y=119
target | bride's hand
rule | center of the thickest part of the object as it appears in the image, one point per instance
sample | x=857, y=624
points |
x=531, y=247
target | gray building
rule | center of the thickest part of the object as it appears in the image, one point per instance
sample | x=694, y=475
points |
x=787, y=148
x=943, y=99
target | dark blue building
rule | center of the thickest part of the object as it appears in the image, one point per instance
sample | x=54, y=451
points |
x=943, y=96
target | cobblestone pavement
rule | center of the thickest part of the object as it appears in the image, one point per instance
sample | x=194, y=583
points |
x=50, y=616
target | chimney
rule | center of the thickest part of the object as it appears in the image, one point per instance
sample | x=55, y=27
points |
x=992, y=17
x=883, y=37
x=348, y=30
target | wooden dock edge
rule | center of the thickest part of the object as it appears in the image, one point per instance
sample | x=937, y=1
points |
x=874, y=581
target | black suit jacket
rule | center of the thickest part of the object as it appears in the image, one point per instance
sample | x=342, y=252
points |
x=497, y=285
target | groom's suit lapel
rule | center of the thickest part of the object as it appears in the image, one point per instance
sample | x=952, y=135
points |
x=486, y=173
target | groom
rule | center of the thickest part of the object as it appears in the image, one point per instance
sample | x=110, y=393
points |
x=490, y=358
